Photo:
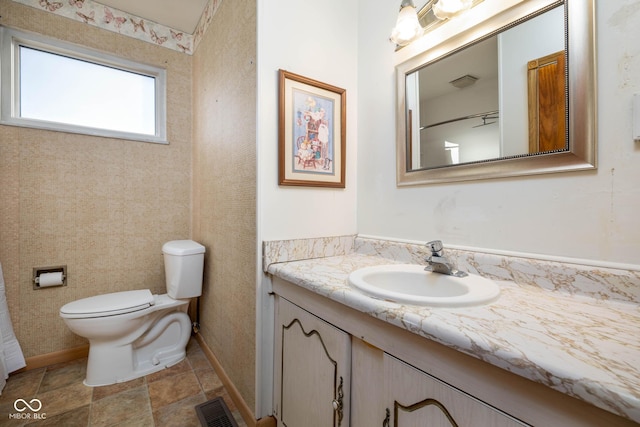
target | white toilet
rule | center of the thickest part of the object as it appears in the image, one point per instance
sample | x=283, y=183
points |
x=135, y=333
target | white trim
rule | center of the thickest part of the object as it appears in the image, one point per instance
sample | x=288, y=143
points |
x=10, y=39
x=265, y=303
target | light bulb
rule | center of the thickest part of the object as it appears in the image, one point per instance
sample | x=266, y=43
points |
x=444, y=9
x=407, y=27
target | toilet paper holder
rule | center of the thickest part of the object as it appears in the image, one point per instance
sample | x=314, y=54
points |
x=38, y=271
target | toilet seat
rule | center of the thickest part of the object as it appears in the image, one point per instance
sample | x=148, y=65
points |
x=108, y=304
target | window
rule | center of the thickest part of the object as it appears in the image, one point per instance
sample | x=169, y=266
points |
x=57, y=86
x=454, y=151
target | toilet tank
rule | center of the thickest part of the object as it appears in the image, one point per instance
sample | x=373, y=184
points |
x=183, y=267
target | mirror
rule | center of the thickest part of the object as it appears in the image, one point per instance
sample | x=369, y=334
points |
x=514, y=95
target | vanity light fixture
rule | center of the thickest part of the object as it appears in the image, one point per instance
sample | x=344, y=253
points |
x=407, y=27
x=445, y=9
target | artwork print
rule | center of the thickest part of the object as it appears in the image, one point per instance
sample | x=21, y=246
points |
x=311, y=132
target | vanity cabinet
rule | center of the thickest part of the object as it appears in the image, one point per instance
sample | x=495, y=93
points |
x=312, y=370
x=413, y=398
x=335, y=366
x=389, y=392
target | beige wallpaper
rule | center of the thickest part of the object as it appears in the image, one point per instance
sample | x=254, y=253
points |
x=102, y=206
x=224, y=214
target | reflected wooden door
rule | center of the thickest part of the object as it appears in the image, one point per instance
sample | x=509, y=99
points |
x=547, y=103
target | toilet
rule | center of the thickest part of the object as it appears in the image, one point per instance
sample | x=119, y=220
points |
x=134, y=333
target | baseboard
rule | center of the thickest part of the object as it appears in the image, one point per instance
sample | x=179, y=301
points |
x=246, y=412
x=266, y=422
x=61, y=356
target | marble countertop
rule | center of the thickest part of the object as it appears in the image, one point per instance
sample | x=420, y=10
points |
x=584, y=347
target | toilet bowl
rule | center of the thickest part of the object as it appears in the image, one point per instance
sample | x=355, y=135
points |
x=135, y=333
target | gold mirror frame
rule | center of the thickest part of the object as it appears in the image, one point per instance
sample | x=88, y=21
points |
x=581, y=89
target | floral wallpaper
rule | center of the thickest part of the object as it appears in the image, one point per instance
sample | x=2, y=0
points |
x=98, y=15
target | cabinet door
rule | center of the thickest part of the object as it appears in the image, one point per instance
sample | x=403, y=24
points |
x=312, y=372
x=367, y=399
x=416, y=399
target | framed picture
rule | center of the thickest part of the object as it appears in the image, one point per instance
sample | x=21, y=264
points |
x=312, y=132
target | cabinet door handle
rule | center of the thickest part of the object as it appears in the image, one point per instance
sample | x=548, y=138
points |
x=337, y=403
x=420, y=405
x=385, y=422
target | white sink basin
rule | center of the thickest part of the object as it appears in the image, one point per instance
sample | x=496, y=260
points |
x=411, y=284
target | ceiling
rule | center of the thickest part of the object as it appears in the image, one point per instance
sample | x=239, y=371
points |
x=479, y=60
x=182, y=15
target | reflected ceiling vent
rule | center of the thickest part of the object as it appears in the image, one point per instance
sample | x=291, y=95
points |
x=464, y=81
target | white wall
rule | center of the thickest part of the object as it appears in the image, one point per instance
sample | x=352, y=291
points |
x=589, y=215
x=316, y=40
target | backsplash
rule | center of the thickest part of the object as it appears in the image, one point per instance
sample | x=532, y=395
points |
x=276, y=251
x=596, y=282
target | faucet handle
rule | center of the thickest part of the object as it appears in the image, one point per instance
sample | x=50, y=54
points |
x=435, y=246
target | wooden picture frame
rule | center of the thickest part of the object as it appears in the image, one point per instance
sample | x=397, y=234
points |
x=312, y=132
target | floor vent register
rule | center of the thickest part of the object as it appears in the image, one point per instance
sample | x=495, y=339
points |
x=215, y=413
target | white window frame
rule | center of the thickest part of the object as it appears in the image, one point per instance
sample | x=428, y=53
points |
x=10, y=42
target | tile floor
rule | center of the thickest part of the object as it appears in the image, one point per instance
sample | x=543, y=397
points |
x=165, y=398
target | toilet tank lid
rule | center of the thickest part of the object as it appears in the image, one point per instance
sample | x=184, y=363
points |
x=182, y=247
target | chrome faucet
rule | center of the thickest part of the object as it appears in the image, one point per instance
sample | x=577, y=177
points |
x=438, y=263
